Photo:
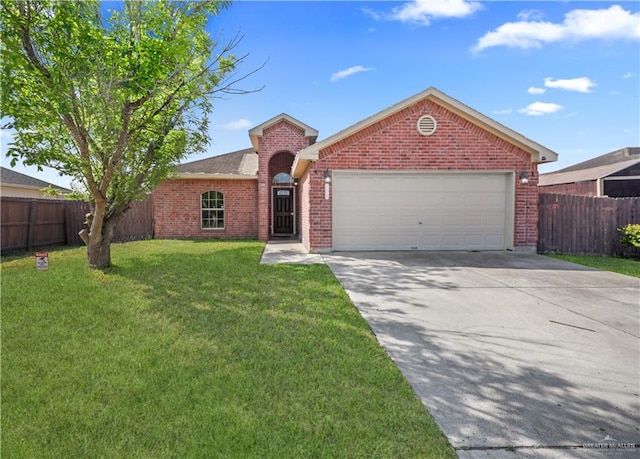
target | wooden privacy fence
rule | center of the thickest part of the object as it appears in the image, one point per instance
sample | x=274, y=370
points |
x=585, y=224
x=31, y=223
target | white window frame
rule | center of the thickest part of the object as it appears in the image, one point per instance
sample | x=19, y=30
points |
x=216, y=209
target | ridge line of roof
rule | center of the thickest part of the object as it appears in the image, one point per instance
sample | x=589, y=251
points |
x=398, y=106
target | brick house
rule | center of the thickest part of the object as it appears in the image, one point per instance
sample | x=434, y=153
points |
x=428, y=173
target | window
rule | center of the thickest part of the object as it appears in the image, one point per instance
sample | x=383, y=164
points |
x=212, y=204
x=282, y=179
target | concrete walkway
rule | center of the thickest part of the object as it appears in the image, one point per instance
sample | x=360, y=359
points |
x=289, y=252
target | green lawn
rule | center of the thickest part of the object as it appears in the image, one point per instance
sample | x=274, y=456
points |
x=627, y=266
x=193, y=349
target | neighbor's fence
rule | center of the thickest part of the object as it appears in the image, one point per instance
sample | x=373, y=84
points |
x=30, y=223
x=584, y=224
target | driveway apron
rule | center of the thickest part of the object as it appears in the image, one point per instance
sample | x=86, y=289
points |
x=508, y=352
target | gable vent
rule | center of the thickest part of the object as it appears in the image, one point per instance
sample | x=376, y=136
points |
x=426, y=125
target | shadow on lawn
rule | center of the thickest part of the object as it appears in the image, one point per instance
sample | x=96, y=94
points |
x=226, y=291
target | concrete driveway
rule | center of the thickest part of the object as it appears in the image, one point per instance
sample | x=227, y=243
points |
x=514, y=355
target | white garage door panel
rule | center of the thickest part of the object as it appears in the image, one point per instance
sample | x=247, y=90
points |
x=424, y=211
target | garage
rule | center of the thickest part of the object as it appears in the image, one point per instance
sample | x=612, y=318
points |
x=462, y=210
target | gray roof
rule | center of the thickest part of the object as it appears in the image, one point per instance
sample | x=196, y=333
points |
x=593, y=169
x=11, y=177
x=617, y=156
x=585, y=175
x=237, y=163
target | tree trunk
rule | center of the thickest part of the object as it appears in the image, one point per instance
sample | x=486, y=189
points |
x=99, y=252
x=98, y=238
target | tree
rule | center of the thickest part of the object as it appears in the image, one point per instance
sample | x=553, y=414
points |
x=113, y=98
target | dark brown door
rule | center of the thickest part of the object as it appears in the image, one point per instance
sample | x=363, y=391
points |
x=283, y=213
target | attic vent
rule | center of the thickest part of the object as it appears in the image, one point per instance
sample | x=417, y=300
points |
x=426, y=125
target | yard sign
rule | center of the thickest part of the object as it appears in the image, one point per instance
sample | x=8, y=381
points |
x=42, y=261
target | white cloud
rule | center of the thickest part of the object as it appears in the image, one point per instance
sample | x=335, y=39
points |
x=235, y=125
x=540, y=108
x=583, y=84
x=534, y=90
x=421, y=12
x=578, y=25
x=347, y=72
x=629, y=75
x=374, y=14
x=506, y=111
x=530, y=15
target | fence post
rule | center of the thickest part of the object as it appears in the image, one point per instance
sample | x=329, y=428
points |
x=32, y=224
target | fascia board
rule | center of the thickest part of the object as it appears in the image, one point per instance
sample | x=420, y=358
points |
x=537, y=151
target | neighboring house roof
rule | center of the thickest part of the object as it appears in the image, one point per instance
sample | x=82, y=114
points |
x=256, y=132
x=594, y=168
x=241, y=164
x=584, y=175
x=617, y=156
x=9, y=177
x=539, y=153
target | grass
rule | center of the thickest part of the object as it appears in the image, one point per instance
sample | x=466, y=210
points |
x=628, y=266
x=193, y=349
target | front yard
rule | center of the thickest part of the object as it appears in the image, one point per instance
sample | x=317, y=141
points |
x=193, y=349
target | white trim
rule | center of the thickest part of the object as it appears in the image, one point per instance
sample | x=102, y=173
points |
x=224, y=210
x=622, y=177
x=427, y=125
x=536, y=150
x=292, y=187
x=256, y=132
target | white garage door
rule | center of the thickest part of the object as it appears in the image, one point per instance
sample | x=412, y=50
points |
x=422, y=210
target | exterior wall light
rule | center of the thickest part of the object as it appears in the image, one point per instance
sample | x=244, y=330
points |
x=524, y=177
x=327, y=182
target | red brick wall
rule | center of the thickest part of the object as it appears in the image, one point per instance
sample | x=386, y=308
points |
x=176, y=209
x=395, y=144
x=579, y=188
x=278, y=138
x=304, y=214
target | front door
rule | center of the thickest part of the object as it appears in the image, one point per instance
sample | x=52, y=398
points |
x=283, y=211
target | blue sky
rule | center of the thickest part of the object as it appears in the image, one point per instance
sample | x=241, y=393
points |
x=565, y=74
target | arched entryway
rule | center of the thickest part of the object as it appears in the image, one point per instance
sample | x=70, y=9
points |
x=282, y=196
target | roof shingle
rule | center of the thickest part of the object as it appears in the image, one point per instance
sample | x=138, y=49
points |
x=241, y=162
x=11, y=177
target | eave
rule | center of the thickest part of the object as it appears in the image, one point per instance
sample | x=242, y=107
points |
x=539, y=153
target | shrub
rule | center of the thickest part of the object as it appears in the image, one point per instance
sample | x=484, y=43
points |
x=630, y=235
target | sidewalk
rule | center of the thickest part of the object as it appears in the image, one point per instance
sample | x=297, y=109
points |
x=291, y=252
